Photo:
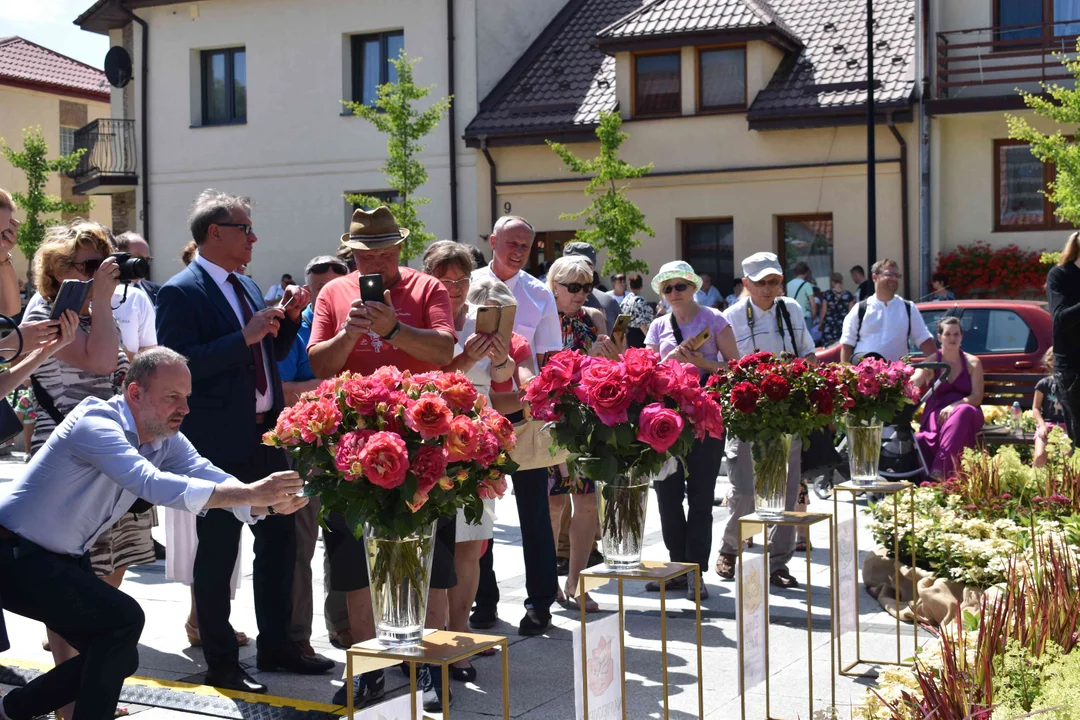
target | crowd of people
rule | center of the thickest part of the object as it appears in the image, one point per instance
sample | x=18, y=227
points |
x=113, y=384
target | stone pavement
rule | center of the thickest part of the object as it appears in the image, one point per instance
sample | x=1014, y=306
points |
x=541, y=669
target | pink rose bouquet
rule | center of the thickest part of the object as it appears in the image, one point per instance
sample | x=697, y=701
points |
x=878, y=389
x=397, y=451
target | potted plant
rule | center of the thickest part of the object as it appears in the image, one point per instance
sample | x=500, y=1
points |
x=393, y=452
x=767, y=400
x=878, y=389
x=621, y=420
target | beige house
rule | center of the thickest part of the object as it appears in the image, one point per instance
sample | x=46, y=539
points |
x=752, y=113
x=39, y=86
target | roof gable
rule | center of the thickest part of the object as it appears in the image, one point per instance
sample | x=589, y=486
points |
x=689, y=18
x=28, y=64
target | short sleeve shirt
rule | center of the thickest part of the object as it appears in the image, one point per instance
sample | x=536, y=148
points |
x=662, y=333
x=758, y=330
x=884, y=328
x=1051, y=405
x=420, y=301
x=135, y=318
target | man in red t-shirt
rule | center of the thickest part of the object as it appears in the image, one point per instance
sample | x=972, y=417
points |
x=412, y=329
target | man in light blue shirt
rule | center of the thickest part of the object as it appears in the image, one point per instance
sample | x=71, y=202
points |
x=707, y=295
x=97, y=463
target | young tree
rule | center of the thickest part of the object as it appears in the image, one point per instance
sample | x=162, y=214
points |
x=395, y=114
x=35, y=202
x=1063, y=107
x=612, y=220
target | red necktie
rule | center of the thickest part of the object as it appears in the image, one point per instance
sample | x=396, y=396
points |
x=256, y=350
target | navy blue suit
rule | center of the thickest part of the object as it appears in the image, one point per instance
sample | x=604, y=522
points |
x=195, y=319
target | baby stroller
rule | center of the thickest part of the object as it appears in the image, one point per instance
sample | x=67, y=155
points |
x=901, y=458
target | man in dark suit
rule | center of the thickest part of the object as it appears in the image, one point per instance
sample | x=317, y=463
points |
x=217, y=318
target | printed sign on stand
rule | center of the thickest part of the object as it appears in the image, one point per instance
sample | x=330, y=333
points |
x=603, y=682
x=397, y=708
x=847, y=573
x=750, y=606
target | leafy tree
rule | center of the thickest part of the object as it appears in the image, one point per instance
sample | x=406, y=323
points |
x=612, y=220
x=1063, y=107
x=395, y=114
x=35, y=202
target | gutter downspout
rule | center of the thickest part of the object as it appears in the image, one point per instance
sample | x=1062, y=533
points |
x=905, y=230
x=145, y=124
x=452, y=120
x=492, y=175
x=925, y=234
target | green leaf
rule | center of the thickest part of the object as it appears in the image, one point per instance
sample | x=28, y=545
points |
x=971, y=621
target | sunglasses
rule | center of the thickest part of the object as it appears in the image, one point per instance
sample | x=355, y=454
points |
x=88, y=267
x=456, y=283
x=248, y=229
x=575, y=288
x=320, y=268
x=677, y=287
x=774, y=282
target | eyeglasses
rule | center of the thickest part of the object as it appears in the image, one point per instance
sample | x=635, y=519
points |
x=677, y=287
x=575, y=288
x=248, y=229
x=455, y=283
x=889, y=275
x=774, y=282
x=320, y=268
x=618, y=278
x=88, y=267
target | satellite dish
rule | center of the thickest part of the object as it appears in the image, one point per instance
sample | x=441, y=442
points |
x=118, y=66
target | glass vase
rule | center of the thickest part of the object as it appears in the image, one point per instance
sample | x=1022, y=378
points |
x=399, y=570
x=864, y=450
x=770, y=459
x=622, y=504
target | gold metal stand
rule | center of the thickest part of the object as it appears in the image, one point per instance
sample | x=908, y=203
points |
x=884, y=488
x=438, y=648
x=650, y=570
x=751, y=525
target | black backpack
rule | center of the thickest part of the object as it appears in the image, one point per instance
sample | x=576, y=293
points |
x=862, y=313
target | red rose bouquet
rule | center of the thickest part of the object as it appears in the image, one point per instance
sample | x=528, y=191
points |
x=621, y=420
x=766, y=400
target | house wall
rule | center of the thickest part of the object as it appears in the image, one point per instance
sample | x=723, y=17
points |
x=21, y=108
x=504, y=30
x=963, y=187
x=753, y=198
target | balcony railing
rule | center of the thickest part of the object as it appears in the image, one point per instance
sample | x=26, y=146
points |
x=995, y=61
x=108, y=165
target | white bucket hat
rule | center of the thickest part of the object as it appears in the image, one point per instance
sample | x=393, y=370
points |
x=671, y=271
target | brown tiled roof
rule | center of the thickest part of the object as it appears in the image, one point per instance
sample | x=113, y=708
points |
x=27, y=64
x=678, y=17
x=563, y=81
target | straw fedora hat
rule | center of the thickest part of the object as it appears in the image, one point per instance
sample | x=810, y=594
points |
x=375, y=230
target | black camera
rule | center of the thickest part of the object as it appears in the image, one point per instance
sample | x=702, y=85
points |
x=131, y=268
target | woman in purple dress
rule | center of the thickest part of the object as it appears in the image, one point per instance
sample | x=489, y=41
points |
x=952, y=417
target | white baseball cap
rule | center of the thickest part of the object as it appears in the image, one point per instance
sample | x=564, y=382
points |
x=761, y=265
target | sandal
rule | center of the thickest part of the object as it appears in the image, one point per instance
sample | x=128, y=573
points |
x=195, y=641
x=591, y=605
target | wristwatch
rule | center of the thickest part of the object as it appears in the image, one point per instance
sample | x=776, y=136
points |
x=270, y=510
x=393, y=333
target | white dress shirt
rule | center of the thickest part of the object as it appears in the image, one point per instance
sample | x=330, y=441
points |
x=537, y=317
x=134, y=318
x=263, y=401
x=762, y=331
x=884, y=328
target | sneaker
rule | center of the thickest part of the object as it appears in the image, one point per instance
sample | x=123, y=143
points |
x=483, y=618
x=366, y=688
x=429, y=681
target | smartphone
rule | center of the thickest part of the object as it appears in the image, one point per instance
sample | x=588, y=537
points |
x=700, y=339
x=71, y=296
x=487, y=320
x=371, y=288
x=285, y=305
x=621, y=325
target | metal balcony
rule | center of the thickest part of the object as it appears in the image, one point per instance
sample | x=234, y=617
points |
x=108, y=165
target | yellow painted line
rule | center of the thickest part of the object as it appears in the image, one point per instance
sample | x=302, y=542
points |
x=205, y=690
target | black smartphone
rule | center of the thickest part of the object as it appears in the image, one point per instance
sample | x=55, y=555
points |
x=71, y=296
x=371, y=288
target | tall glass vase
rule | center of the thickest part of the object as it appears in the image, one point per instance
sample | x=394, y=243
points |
x=622, y=505
x=770, y=474
x=864, y=450
x=399, y=570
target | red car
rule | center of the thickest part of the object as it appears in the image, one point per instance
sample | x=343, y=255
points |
x=1009, y=336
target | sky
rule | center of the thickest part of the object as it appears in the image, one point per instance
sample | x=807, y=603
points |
x=49, y=23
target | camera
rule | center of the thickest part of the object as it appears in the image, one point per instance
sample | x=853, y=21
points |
x=131, y=268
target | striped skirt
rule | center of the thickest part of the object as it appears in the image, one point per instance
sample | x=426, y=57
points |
x=128, y=542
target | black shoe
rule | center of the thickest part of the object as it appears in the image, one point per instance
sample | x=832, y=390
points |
x=429, y=681
x=595, y=558
x=483, y=618
x=534, y=623
x=159, y=551
x=463, y=674
x=562, y=566
x=782, y=578
x=292, y=660
x=233, y=678
x=367, y=688
x=678, y=583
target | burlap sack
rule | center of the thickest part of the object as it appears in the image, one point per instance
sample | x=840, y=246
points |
x=940, y=602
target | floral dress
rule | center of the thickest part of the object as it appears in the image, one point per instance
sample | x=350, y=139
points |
x=578, y=333
x=834, y=316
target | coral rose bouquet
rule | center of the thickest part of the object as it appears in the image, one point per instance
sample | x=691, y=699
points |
x=393, y=452
x=621, y=420
x=767, y=400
